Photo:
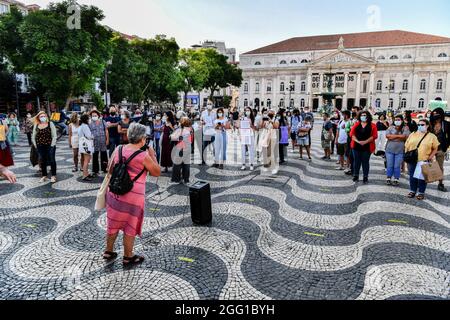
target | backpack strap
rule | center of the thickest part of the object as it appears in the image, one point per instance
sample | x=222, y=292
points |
x=133, y=156
x=418, y=146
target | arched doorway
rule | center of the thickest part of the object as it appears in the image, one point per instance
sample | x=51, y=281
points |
x=257, y=103
x=315, y=105
x=338, y=104
x=363, y=103
x=438, y=99
x=350, y=103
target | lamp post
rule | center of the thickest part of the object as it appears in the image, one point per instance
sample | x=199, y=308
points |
x=290, y=89
x=106, y=84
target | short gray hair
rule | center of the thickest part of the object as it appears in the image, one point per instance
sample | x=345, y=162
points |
x=136, y=132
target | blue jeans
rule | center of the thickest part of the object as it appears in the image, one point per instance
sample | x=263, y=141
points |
x=394, y=163
x=113, y=143
x=361, y=158
x=414, y=183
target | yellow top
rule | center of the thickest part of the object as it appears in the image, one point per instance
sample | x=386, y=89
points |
x=2, y=131
x=430, y=143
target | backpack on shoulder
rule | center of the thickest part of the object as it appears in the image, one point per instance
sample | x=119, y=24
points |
x=121, y=182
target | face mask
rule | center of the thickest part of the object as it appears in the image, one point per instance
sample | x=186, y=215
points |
x=398, y=123
x=423, y=129
x=43, y=119
x=210, y=107
x=94, y=118
x=248, y=113
x=158, y=118
x=28, y=116
x=363, y=119
x=122, y=117
x=164, y=119
x=220, y=115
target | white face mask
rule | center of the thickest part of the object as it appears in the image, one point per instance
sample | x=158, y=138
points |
x=248, y=113
x=220, y=115
x=28, y=116
x=398, y=123
x=158, y=118
x=122, y=117
x=423, y=129
x=43, y=119
x=94, y=118
x=210, y=107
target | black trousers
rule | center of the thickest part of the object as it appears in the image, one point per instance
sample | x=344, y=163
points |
x=47, y=157
x=177, y=171
x=103, y=161
x=29, y=138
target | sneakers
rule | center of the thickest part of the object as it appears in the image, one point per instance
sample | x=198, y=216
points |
x=53, y=179
x=396, y=183
x=43, y=179
x=275, y=171
x=243, y=167
x=389, y=181
x=252, y=168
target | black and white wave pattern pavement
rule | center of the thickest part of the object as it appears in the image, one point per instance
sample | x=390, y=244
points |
x=309, y=233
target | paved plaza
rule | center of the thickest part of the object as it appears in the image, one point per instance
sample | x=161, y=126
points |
x=309, y=233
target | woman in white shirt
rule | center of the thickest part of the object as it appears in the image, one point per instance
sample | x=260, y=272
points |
x=221, y=124
x=247, y=128
x=86, y=145
x=73, y=139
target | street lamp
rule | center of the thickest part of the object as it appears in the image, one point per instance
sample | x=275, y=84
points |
x=290, y=89
x=106, y=84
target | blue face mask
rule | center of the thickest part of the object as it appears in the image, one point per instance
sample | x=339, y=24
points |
x=363, y=119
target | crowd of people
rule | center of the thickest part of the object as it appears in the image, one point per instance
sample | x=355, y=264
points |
x=152, y=142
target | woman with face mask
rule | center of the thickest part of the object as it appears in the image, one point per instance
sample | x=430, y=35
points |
x=284, y=130
x=269, y=142
x=74, y=125
x=44, y=140
x=441, y=128
x=101, y=140
x=86, y=146
x=427, y=145
x=221, y=124
x=123, y=126
x=157, y=129
x=396, y=136
x=166, y=143
x=125, y=213
x=246, y=127
x=363, y=134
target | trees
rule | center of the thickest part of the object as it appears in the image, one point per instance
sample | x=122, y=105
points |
x=193, y=71
x=65, y=62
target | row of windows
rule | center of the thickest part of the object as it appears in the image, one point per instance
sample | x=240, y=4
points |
x=284, y=62
x=391, y=87
x=405, y=86
x=4, y=8
x=283, y=87
x=408, y=56
x=403, y=103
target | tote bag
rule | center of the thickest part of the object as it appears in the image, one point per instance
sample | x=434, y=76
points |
x=432, y=172
x=86, y=146
x=100, y=202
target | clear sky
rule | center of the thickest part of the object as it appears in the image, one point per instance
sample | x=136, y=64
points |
x=250, y=24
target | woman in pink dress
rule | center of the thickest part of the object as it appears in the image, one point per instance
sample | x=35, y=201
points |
x=126, y=213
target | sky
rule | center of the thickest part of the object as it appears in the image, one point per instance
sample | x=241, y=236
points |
x=251, y=24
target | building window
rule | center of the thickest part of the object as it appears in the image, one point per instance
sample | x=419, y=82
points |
x=403, y=104
x=302, y=103
x=292, y=103
x=394, y=57
x=408, y=56
x=378, y=103
x=269, y=103
x=365, y=84
x=304, y=61
x=381, y=58
x=442, y=55
x=246, y=87
x=282, y=103
x=269, y=87
x=379, y=85
x=423, y=85
x=294, y=62
x=257, y=63
x=282, y=87
x=405, y=85
x=292, y=86
x=391, y=103
x=303, y=86
x=257, y=87
x=3, y=8
x=440, y=85
x=245, y=103
x=392, y=85
x=283, y=62
x=421, y=103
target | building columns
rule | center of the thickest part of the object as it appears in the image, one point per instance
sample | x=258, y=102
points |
x=371, y=88
x=345, y=98
x=309, y=90
x=358, y=89
x=447, y=88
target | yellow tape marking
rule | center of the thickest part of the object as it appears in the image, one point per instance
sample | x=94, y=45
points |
x=315, y=234
x=186, y=259
x=398, y=221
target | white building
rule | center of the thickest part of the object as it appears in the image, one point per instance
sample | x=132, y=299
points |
x=388, y=69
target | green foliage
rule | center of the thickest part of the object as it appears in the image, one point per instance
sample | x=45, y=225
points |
x=97, y=100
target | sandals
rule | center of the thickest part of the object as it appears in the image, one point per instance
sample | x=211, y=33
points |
x=420, y=197
x=109, y=255
x=411, y=195
x=133, y=260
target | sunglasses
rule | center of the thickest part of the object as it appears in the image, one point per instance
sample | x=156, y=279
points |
x=422, y=125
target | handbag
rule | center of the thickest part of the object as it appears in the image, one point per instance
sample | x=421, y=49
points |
x=34, y=157
x=413, y=155
x=86, y=146
x=432, y=172
x=100, y=202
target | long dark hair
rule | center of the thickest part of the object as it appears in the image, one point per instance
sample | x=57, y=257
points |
x=403, y=122
x=170, y=117
x=282, y=121
x=252, y=115
x=368, y=114
x=440, y=112
x=84, y=119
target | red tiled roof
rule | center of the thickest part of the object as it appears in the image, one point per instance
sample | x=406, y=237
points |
x=352, y=40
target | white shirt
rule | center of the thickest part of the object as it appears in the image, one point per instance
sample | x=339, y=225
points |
x=343, y=136
x=209, y=121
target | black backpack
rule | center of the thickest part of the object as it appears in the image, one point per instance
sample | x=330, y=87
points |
x=121, y=183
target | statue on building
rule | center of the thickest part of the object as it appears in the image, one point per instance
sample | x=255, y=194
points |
x=341, y=44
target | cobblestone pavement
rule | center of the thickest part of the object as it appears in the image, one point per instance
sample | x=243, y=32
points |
x=309, y=233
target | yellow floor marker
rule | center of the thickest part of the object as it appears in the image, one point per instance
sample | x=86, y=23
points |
x=315, y=235
x=29, y=226
x=186, y=259
x=155, y=209
x=398, y=221
x=248, y=200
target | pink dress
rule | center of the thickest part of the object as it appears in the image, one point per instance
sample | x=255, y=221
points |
x=126, y=212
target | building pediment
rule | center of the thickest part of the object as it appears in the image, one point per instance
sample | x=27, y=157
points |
x=342, y=57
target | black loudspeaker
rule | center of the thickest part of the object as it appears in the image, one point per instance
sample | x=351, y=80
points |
x=200, y=197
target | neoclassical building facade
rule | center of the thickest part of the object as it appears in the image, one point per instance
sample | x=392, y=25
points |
x=396, y=70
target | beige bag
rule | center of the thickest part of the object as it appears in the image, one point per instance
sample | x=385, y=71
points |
x=100, y=203
x=432, y=172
